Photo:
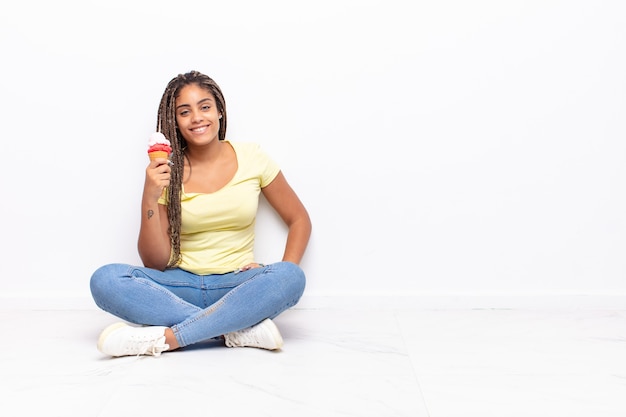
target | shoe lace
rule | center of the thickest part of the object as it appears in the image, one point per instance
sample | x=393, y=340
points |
x=155, y=347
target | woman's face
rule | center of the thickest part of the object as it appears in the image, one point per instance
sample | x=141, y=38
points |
x=197, y=116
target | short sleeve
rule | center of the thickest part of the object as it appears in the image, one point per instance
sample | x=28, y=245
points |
x=269, y=168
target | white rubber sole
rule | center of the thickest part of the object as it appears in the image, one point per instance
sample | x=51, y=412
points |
x=107, y=331
x=269, y=325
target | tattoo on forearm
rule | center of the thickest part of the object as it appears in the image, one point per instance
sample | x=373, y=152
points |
x=150, y=213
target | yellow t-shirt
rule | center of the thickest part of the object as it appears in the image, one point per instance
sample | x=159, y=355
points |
x=217, y=229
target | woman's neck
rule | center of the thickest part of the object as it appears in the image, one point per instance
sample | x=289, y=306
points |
x=210, y=152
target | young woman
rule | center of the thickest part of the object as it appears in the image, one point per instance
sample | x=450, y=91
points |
x=200, y=280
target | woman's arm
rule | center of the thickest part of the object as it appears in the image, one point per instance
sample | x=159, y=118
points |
x=284, y=200
x=154, y=243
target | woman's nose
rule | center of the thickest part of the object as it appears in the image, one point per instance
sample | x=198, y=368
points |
x=196, y=115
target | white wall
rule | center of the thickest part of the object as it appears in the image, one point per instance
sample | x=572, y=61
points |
x=443, y=148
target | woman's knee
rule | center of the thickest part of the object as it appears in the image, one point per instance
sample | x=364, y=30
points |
x=293, y=277
x=102, y=279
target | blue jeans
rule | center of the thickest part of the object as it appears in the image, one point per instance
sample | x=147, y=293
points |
x=197, y=307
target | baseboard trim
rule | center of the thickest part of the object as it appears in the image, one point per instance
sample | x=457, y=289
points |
x=465, y=301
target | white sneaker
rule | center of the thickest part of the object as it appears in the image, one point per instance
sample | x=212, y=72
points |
x=264, y=335
x=120, y=339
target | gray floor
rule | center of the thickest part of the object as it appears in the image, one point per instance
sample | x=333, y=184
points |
x=500, y=363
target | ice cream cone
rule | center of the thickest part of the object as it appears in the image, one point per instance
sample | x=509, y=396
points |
x=158, y=146
x=157, y=154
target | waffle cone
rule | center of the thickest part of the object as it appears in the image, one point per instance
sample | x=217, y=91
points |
x=157, y=154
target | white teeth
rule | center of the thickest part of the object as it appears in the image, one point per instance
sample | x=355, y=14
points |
x=199, y=129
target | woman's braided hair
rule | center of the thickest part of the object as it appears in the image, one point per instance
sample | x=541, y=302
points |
x=166, y=124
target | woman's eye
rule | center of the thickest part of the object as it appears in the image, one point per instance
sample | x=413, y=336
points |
x=205, y=108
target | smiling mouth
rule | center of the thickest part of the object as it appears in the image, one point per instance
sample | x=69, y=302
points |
x=200, y=129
